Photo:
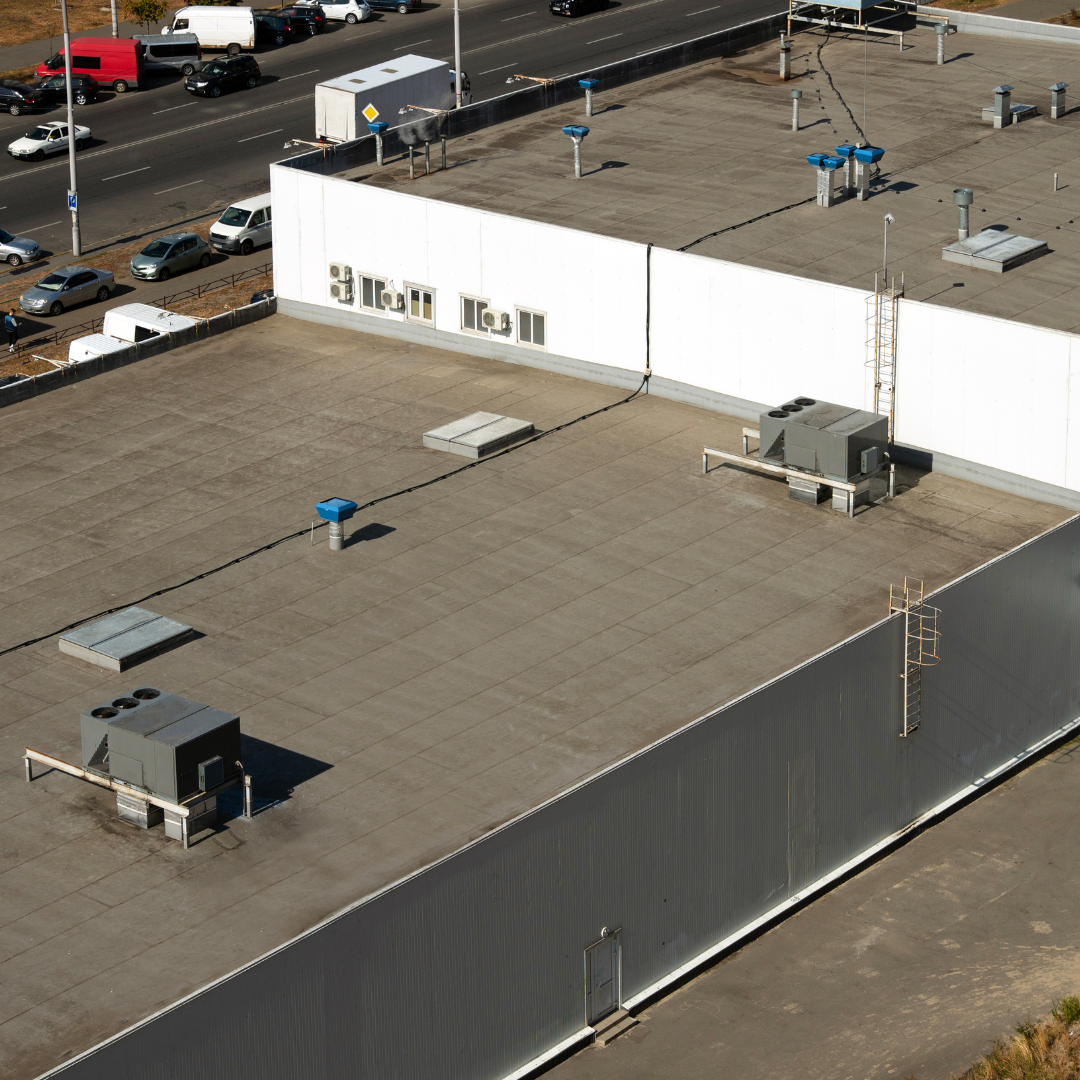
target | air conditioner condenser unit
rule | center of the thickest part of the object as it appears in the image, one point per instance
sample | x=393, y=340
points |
x=341, y=286
x=495, y=320
x=391, y=300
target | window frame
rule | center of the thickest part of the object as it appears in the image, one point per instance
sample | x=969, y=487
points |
x=480, y=329
x=379, y=308
x=518, y=311
x=409, y=285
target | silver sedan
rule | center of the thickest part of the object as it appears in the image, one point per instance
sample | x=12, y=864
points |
x=65, y=288
x=17, y=249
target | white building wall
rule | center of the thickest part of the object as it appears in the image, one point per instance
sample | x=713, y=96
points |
x=991, y=392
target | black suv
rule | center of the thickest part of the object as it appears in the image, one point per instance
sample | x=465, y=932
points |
x=17, y=97
x=84, y=88
x=576, y=7
x=224, y=73
x=404, y=6
x=309, y=17
x=276, y=28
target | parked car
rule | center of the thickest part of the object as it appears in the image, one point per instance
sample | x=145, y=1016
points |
x=17, y=97
x=15, y=250
x=350, y=11
x=576, y=7
x=171, y=52
x=65, y=288
x=115, y=62
x=50, y=138
x=84, y=89
x=275, y=28
x=225, y=73
x=309, y=17
x=168, y=255
x=404, y=6
x=244, y=226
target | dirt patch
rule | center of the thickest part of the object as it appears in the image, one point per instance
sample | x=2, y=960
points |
x=26, y=20
x=1070, y=18
x=967, y=5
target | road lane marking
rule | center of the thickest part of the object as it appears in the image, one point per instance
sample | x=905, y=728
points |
x=521, y=16
x=155, y=138
x=596, y=41
x=655, y=48
x=177, y=188
x=398, y=48
x=703, y=10
x=300, y=76
x=503, y=68
x=276, y=131
x=36, y=228
x=119, y=174
x=173, y=108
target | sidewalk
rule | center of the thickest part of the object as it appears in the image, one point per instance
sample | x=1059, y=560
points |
x=1032, y=10
x=911, y=968
x=33, y=52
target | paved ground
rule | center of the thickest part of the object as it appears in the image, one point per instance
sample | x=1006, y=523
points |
x=912, y=968
x=658, y=170
x=479, y=645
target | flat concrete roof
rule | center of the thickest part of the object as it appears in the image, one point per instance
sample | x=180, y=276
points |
x=674, y=158
x=479, y=645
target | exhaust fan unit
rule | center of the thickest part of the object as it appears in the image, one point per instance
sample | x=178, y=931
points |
x=495, y=320
x=391, y=300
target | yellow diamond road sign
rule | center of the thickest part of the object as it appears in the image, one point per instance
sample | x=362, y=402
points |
x=371, y=113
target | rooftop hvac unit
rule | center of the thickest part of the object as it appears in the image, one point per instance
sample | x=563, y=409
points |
x=340, y=272
x=341, y=288
x=495, y=320
x=391, y=300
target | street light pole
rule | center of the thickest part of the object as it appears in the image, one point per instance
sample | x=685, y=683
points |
x=457, y=54
x=115, y=27
x=73, y=190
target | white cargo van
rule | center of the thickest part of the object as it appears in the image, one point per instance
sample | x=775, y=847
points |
x=228, y=28
x=346, y=105
x=138, y=322
x=243, y=227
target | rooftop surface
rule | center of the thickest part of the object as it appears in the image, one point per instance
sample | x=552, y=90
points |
x=677, y=157
x=478, y=646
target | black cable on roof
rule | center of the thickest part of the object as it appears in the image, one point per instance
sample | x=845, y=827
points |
x=304, y=532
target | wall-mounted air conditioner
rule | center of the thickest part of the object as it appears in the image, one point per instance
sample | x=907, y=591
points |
x=341, y=286
x=495, y=320
x=392, y=301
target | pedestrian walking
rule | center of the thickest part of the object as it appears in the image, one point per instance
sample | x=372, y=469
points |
x=12, y=328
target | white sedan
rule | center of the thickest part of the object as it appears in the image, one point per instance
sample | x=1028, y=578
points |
x=51, y=138
x=350, y=11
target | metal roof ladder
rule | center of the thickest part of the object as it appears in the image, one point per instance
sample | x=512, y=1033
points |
x=921, y=637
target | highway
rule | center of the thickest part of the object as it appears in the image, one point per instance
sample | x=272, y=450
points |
x=160, y=154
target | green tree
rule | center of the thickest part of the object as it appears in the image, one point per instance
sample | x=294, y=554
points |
x=145, y=11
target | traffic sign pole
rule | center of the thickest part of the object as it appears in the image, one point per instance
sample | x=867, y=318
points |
x=73, y=197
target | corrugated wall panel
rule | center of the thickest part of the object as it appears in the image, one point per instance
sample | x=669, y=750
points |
x=475, y=967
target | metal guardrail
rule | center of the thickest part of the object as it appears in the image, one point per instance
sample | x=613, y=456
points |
x=198, y=291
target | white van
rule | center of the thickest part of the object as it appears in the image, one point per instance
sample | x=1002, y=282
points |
x=243, y=227
x=229, y=28
x=138, y=322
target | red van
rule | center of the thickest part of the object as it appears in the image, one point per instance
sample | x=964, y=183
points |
x=115, y=62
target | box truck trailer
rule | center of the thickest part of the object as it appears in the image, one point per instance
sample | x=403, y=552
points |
x=346, y=105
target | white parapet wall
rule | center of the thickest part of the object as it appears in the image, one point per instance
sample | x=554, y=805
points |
x=990, y=399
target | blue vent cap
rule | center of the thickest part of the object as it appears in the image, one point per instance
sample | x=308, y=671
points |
x=869, y=154
x=575, y=131
x=816, y=159
x=832, y=163
x=336, y=509
x=588, y=84
x=378, y=127
x=847, y=151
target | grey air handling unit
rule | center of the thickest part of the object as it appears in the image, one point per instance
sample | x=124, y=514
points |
x=826, y=442
x=165, y=745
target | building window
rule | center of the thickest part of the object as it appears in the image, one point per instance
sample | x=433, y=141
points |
x=532, y=328
x=472, y=314
x=420, y=303
x=371, y=290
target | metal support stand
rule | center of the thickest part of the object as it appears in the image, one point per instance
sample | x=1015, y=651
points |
x=29, y=769
x=247, y=798
x=427, y=159
x=444, y=153
x=412, y=171
x=892, y=481
x=940, y=29
x=337, y=535
x=785, y=58
x=795, y=95
x=378, y=150
x=577, y=158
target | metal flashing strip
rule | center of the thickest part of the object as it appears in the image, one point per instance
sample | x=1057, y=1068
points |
x=701, y=958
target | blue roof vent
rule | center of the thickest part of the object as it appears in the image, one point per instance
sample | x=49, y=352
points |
x=847, y=151
x=336, y=509
x=832, y=163
x=816, y=159
x=869, y=154
x=575, y=131
x=588, y=84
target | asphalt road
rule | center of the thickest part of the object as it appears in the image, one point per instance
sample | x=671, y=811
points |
x=161, y=153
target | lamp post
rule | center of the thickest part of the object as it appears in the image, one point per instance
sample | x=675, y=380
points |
x=457, y=54
x=73, y=189
x=115, y=27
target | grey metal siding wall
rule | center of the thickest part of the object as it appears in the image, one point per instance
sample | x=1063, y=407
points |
x=475, y=967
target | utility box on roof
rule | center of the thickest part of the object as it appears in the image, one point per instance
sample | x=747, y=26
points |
x=832, y=441
x=346, y=105
x=158, y=741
